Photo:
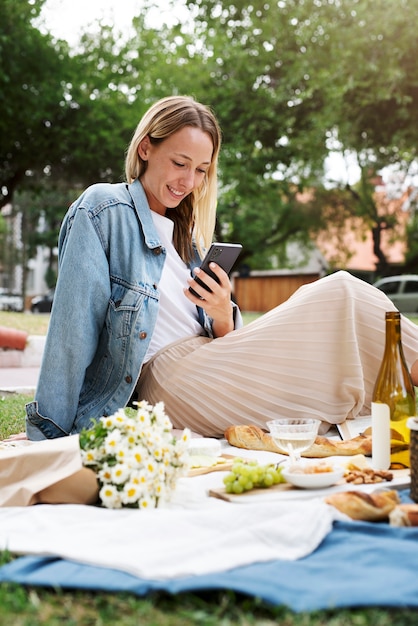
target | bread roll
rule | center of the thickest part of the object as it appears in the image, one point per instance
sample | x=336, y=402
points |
x=373, y=507
x=404, y=515
x=254, y=438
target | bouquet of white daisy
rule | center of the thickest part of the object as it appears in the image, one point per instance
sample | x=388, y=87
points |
x=136, y=457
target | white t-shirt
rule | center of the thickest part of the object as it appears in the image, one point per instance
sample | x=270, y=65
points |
x=177, y=317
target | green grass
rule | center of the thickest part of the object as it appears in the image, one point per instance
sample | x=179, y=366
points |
x=37, y=324
x=30, y=606
x=12, y=414
x=32, y=323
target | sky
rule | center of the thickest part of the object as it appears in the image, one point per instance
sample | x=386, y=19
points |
x=65, y=18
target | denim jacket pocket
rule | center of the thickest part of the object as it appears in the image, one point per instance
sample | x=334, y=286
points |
x=125, y=303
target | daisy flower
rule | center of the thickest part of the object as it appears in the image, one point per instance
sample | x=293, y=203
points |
x=136, y=457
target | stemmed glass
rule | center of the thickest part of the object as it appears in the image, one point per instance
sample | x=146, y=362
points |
x=294, y=434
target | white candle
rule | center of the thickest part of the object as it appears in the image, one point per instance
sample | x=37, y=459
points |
x=380, y=436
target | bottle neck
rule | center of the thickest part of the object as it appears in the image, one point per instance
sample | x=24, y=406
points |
x=393, y=331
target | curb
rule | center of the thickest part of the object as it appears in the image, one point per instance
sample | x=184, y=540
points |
x=31, y=356
x=25, y=391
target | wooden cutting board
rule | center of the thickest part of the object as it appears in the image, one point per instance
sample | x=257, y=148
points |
x=401, y=479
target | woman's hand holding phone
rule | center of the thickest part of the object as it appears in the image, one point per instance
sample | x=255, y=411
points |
x=211, y=288
x=224, y=255
x=214, y=298
x=202, y=284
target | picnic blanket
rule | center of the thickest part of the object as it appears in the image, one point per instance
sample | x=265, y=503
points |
x=297, y=552
x=350, y=568
x=171, y=543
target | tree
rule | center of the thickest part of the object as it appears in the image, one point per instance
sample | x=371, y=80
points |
x=65, y=114
x=293, y=76
x=288, y=80
x=267, y=158
x=75, y=127
x=31, y=94
x=378, y=113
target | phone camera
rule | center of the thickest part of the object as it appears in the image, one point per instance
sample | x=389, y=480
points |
x=215, y=253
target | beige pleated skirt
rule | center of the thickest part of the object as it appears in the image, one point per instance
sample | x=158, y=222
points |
x=318, y=353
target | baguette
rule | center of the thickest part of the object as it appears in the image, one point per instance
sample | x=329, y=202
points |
x=404, y=515
x=254, y=438
x=366, y=507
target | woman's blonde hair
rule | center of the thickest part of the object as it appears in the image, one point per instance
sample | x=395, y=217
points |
x=195, y=216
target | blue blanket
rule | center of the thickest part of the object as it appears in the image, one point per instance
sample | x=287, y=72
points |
x=358, y=564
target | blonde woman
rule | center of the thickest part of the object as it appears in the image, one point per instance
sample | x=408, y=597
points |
x=125, y=326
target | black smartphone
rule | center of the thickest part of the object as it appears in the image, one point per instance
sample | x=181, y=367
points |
x=224, y=255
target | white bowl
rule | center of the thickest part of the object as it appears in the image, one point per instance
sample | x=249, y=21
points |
x=317, y=480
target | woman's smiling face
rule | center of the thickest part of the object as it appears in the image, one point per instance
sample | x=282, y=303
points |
x=175, y=167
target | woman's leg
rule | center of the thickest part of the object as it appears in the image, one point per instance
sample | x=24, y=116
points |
x=318, y=353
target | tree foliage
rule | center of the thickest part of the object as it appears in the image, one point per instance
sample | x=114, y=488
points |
x=31, y=94
x=290, y=81
x=301, y=78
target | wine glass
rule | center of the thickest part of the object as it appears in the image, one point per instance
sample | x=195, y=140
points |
x=294, y=434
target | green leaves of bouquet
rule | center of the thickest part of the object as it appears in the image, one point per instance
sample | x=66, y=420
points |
x=136, y=457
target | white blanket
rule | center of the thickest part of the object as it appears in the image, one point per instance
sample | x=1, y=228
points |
x=194, y=534
x=168, y=543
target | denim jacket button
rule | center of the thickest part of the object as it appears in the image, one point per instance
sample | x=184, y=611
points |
x=142, y=335
x=128, y=379
x=157, y=251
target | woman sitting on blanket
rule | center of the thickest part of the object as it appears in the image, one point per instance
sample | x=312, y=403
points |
x=125, y=326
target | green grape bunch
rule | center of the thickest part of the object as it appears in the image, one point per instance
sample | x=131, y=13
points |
x=246, y=475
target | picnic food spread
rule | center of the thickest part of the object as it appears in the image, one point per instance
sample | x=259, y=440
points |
x=254, y=438
x=358, y=505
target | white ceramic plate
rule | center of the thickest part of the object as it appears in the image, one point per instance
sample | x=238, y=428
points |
x=313, y=481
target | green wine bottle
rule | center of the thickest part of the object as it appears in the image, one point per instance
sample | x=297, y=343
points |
x=393, y=402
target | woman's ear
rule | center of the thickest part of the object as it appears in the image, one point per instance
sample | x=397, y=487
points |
x=143, y=148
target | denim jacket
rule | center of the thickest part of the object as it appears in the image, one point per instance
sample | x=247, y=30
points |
x=104, y=311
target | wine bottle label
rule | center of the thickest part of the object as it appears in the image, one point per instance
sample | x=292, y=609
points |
x=380, y=436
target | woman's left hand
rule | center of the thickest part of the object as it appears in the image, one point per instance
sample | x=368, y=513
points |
x=216, y=302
